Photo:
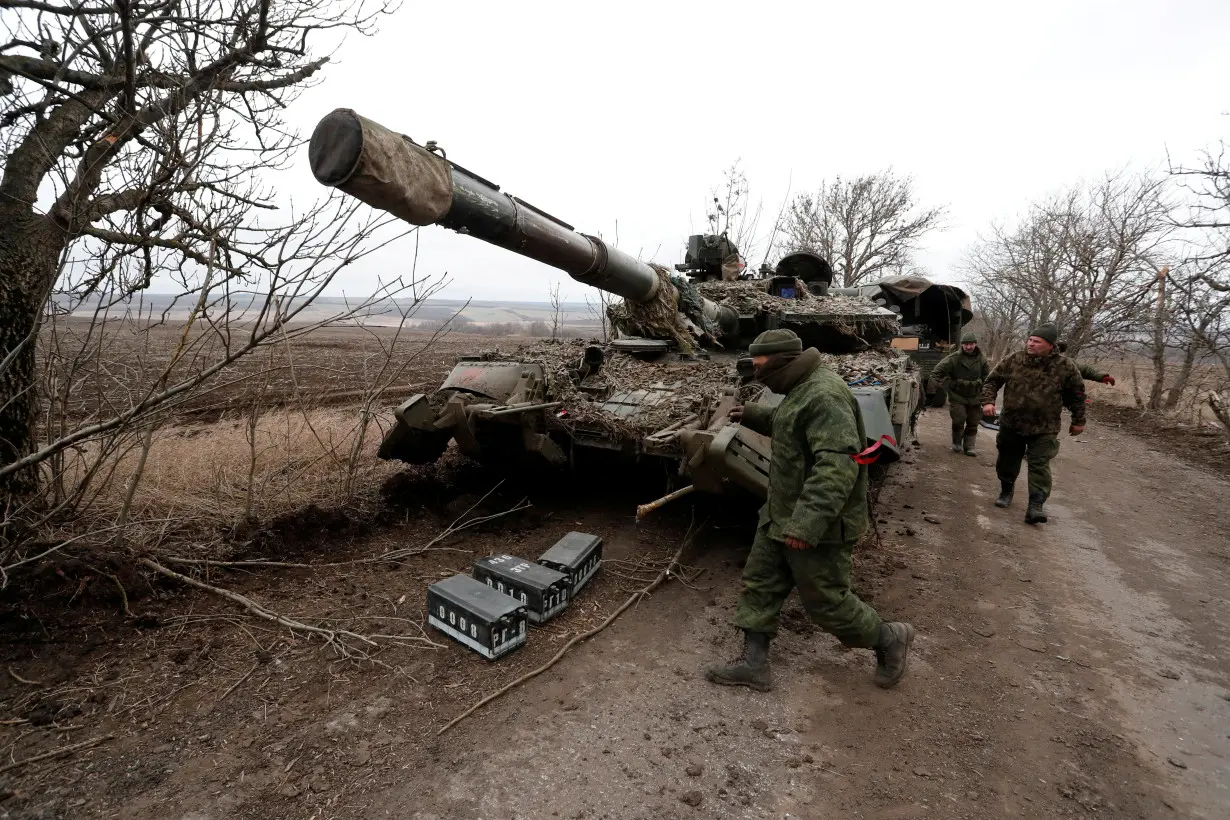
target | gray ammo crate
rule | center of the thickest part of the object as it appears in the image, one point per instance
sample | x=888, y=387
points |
x=542, y=590
x=578, y=555
x=476, y=615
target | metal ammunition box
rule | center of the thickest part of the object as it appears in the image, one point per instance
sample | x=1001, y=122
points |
x=476, y=615
x=578, y=555
x=542, y=590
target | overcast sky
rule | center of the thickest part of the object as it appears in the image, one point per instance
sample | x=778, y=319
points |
x=629, y=112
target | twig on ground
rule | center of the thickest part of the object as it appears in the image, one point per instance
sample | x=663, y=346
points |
x=457, y=526
x=330, y=635
x=333, y=637
x=60, y=752
x=236, y=684
x=20, y=679
x=663, y=576
x=120, y=587
x=390, y=557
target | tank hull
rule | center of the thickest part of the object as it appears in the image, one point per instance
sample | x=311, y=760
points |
x=511, y=413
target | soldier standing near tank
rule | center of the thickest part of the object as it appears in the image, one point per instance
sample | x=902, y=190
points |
x=1088, y=372
x=1038, y=382
x=962, y=372
x=817, y=508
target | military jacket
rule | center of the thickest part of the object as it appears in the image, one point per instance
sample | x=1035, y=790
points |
x=817, y=492
x=1088, y=372
x=963, y=375
x=1036, y=389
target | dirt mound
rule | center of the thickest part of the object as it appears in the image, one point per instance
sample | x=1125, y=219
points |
x=1205, y=447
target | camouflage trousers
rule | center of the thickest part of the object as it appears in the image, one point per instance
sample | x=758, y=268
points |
x=822, y=575
x=1037, y=450
x=965, y=418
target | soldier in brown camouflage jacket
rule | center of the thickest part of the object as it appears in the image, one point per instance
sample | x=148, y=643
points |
x=1038, y=383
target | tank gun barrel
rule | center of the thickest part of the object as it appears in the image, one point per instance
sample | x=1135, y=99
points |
x=391, y=172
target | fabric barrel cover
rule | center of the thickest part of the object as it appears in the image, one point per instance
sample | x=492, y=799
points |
x=380, y=167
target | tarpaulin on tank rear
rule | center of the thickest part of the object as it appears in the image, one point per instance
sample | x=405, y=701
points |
x=905, y=288
x=943, y=308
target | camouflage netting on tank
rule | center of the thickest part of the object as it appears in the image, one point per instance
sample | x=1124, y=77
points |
x=851, y=315
x=865, y=369
x=752, y=296
x=690, y=384
x=674, y=314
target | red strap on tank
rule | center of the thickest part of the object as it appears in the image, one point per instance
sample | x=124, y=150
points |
x=869, y=455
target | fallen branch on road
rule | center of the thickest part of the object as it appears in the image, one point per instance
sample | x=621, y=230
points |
x=60, y=752
x=391, y=557
x=662, y=578
x=330, y=635
x=334, y=637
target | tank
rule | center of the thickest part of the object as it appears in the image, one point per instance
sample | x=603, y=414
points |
x=932, y=316
x=661, y=388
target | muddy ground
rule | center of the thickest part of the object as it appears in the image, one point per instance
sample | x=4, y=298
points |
x=1206, y=446
x=1073, y=669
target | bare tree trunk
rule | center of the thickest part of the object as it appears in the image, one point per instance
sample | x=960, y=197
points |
x=29, y=252
x=1181, y=380
x=556, y=311
x=1140, y=404
x=1159, y=343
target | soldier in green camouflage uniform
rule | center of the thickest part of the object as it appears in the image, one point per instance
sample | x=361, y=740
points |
x=962, y=372
x=1088, y=372
x=817, y=508
x=1038, y=383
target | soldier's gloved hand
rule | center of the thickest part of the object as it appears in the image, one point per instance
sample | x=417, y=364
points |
x=1076, y=429
x=797, y=543
x=736, y=413
x=1108, y=379
x=988, y=409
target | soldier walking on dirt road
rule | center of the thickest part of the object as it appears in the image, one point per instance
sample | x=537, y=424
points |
x=1038, y=382
x=962, y=372
x=817, y=508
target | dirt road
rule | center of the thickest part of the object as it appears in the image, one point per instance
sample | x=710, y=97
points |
x=1080, y=667
x=1073, y=668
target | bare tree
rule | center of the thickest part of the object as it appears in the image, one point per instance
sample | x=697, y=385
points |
x=135, y=139
x=557, y=311
x=732, y=213
x=1086, y=259
x=1199, y=322
x=868, y=227
x=1209, y=206
x=1204, y=312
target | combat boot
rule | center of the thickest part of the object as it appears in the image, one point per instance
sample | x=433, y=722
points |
x=1005, y=495
x=956, y=440
x=969, y=445
x=892, y=653
x=751, y=669
x=1034, y=514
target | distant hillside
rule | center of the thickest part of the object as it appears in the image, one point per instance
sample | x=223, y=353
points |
x=477, y=311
